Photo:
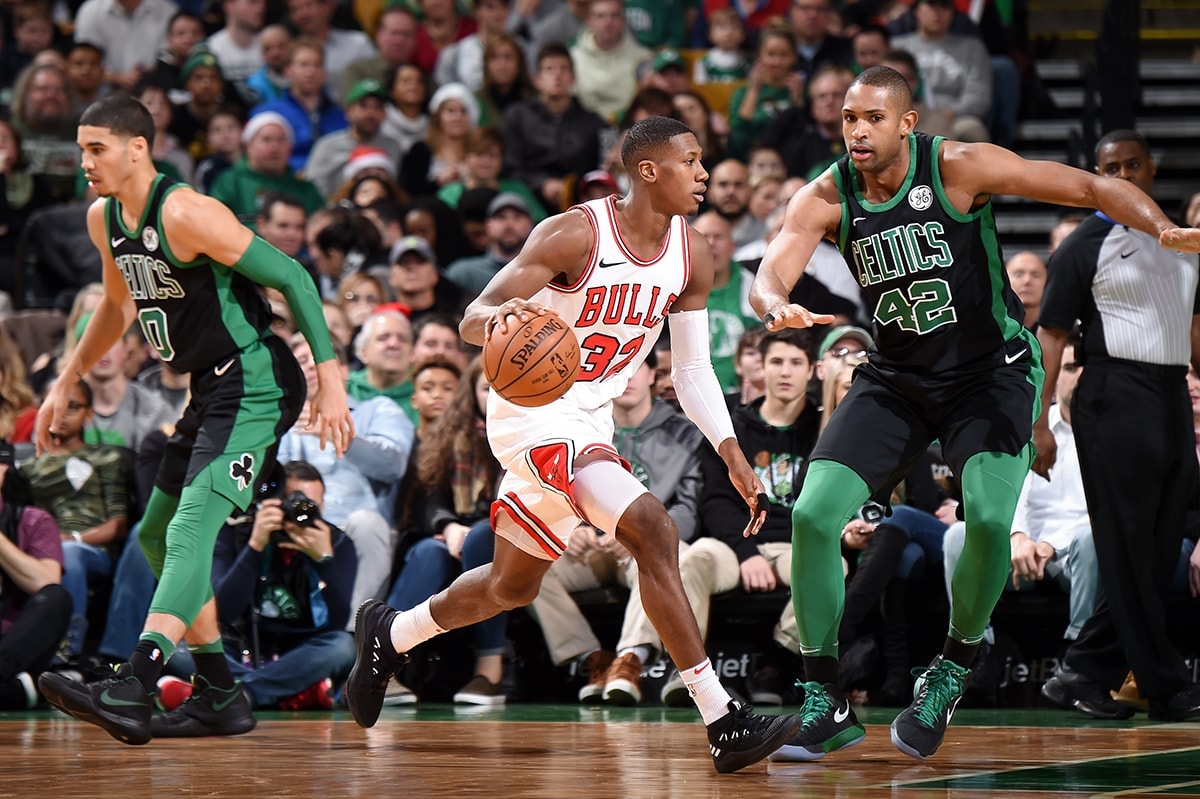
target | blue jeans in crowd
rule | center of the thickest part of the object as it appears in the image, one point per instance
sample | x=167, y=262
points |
x=924, y=549
x=132, y=589
x=429, y=567
x=81, y=563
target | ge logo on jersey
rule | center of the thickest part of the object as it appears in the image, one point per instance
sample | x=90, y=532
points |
x=150, y=238
x=920, y=198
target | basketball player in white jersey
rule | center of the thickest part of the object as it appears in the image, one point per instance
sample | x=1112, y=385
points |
x=614, y=269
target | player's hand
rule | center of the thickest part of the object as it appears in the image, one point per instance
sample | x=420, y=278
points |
x=330, y=414
x=1047, y=450
x=747, y=484
x=50, y=415
x=793, y=315
x=757, y=574
x=521, y=310
x=1184, y=239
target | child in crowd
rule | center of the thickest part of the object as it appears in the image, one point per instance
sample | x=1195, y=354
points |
x=225, y=142
x=724, y=62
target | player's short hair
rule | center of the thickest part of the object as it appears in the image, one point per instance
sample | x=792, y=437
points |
x=647, y=137
x=1118, y=136
x=887, y=78
x=123, y=115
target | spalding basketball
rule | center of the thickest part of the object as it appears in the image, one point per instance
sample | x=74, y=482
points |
x=534, y=363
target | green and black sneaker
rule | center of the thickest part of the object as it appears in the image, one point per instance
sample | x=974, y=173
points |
x=208, y=711
x=919, y=729
x=827, y=723
x=119, y=705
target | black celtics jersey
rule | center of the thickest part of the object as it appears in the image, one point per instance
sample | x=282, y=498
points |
x=933, y=278
x=195, y=314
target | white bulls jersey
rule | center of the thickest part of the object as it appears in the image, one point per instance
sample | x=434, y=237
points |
x=617, y=309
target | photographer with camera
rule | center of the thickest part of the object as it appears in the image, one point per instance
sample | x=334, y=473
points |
x=34, y=607
x=282, y=577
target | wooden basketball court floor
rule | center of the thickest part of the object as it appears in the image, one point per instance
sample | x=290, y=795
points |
x=557, y=751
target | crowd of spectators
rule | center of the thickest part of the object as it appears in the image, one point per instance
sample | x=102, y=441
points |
x=404, y=150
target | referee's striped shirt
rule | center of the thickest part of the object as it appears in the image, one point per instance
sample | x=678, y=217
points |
x=1134, y=299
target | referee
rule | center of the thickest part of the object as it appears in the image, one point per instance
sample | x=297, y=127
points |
x=1139, y=307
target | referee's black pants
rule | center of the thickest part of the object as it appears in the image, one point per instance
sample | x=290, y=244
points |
x=1137, y=454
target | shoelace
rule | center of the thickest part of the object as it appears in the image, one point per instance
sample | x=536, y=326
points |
x=938, y=688
x=816, y=703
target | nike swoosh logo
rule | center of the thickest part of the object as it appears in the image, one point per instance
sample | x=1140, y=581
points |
x=1010, y=359
x=857, y=219
x=699, y=670
x=118, y=242
x=841, y=713
x=604, y=264
x=1127, y=254
x=110, y=700
x=219, y=706
x=223, y=368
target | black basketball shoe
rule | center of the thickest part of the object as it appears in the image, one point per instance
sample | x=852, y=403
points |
x=377, y=661
x=208, y=711
x=742, y=737
x=919, y=729
x=827, y=724
x=120, y=705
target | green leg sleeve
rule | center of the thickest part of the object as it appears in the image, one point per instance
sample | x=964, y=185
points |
x=991, y=484
x=184, y=585
x=832, y=493
x=152, y=531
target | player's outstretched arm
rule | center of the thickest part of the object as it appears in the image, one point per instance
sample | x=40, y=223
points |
x=560, y=245
x=813, y=213
x=196, y=225
x=970, y=171
x=696, y=383
x=111, y=318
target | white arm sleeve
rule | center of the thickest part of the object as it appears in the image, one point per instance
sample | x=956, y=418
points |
x=696, y=383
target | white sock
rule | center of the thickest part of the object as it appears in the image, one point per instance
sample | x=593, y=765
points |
x=412, y=627
x=707, y=692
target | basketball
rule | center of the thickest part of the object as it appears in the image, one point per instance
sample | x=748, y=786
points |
x=534, y=363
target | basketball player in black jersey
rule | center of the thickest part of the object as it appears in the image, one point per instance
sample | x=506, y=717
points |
x=183, y=266
x=952, y=362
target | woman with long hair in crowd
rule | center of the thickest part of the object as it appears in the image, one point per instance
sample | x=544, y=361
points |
x=441, y=157
x=451, y=530
x=18, y=403
x=505, y=79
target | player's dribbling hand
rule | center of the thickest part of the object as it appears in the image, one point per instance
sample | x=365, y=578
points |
x=522, y=310
x=793, y=315
x=1184, y=239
